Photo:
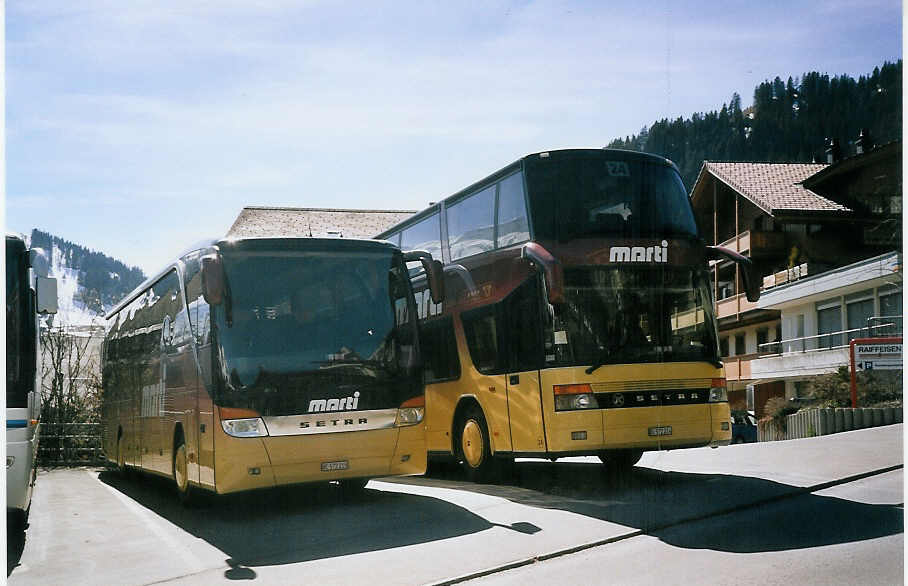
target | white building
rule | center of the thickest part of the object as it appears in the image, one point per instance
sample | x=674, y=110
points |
x=821, y=314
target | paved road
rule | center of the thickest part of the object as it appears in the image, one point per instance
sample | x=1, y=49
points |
x=818, y=510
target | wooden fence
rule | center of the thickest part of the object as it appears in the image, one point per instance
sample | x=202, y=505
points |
x=70, y=444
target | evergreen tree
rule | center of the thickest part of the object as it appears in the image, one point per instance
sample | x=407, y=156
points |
x=789, y=121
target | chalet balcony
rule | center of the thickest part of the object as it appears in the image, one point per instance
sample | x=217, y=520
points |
x=733, y=306
x=757, y=242
x=737, y=368
x=816, y=354
x=787, y=276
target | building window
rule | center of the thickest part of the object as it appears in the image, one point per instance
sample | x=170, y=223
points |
x=800, y=229
x=857, y=312
x=762, y=337
x=739, y=344
x=723, y=346
x=829, y=321
x=890, y=322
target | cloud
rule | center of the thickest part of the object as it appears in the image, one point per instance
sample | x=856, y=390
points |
x=204, y=107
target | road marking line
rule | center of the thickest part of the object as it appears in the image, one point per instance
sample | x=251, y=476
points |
x=153, y=522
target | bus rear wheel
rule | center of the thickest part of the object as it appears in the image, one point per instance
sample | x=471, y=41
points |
x=620, y=461
x=181, y=470
x=475, y=449
x=121, y=457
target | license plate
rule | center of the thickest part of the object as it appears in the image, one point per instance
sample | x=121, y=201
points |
x=662, y=430
x=333, y=466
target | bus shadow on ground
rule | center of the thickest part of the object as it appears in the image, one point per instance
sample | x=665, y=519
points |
x=15, y=542
x=301, y=523
x=736, y=514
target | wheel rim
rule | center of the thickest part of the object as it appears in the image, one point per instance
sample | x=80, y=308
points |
x=179, y=468
x=472, y=443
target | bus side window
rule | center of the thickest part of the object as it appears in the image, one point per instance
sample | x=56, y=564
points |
x=424, y=235
x=471, y=224
x=524, y=327
x=512, y=212
x=482, y=330
x=439, y=350
x=192, y=275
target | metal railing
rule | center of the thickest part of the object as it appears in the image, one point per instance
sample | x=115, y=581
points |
x=70, y=444
x=890, y=325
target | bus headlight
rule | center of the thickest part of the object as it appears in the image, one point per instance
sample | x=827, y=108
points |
x=254, y=427
x=718, y=393
x=574, y=397
x=411, y=411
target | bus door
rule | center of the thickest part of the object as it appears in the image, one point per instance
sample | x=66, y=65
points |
x=180, y=398
x=198, y=377
x=523, y=332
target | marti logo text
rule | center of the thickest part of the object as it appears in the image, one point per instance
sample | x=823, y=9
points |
x=639, y=253
x=344, y=404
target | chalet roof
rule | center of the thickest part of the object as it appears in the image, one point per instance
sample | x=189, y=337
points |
x=776, y=188
x=875, y=155
x=257, y=222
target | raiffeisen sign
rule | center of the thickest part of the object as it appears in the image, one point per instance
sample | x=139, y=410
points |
x=873, y=354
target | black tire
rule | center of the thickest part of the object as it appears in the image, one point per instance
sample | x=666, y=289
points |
x=121, y=458
x=353, y=487
x=16, y=521
x=474, y=448
x=620, y=461
x=181, y=470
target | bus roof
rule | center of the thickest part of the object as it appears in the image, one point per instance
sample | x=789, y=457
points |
x=508, y=169
x=205, y=244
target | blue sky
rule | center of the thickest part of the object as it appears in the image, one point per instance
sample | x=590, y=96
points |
x=136, y=128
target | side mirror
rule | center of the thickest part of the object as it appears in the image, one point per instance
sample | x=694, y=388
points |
x=46, y=293
x=213, y=279
x=38, y=261
x=751, y=284
x=434, y=272
x=552, y=270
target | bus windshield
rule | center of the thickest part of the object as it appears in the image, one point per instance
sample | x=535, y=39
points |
x=621, y=315
x=574, y=195
x=19, y=353
x=301, y=326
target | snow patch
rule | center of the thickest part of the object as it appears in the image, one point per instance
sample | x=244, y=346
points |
x=71, y=310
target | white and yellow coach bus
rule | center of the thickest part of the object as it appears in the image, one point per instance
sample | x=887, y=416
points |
x=254, y=363
x=578, y=314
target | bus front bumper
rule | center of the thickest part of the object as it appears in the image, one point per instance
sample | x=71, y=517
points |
x=264, y=462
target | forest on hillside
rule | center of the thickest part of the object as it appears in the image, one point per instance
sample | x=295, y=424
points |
x=789, y=121
x=104, y=280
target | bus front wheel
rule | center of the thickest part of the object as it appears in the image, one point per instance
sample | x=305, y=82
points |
x=181, y=469
x=474, y=447
x=353, y=488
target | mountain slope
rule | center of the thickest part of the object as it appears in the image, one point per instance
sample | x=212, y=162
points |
x=89, y=283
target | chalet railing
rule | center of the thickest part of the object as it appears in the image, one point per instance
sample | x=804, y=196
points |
x=786, y=276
